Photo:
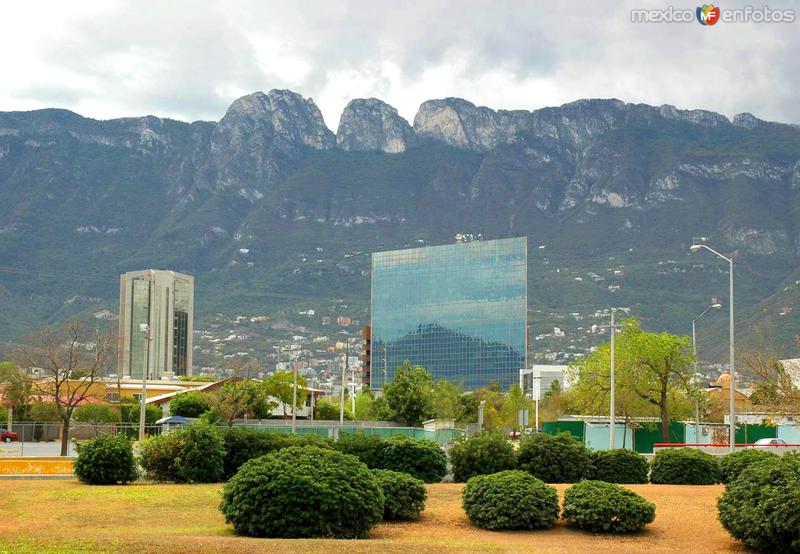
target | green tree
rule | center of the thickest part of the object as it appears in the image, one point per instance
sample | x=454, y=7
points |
x=189, y=404
x=96, y=413
x=515, y=401
x=494, y=406
x=325, y=410
x=409, y=394
x=653, y=376
x=364, y=406
x=129, y=410
x=446, y=400
x=280, y=386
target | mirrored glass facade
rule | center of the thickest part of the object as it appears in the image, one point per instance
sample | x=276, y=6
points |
x=459, y=310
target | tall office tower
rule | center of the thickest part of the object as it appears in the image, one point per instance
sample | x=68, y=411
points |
x=459, y=310
x=164, y=300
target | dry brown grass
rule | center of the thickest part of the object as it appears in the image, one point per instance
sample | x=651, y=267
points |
x=66, y=517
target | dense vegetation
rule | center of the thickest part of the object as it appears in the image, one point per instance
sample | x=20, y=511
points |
x=684, y=466
x=510, y=500
x=301, y=492
x=403, y=494
x=194, y=454
x=759, y=507
x=555, y=458
x=480, y=455
x=105, y=460
x=731, y=465
x=620, y=466
x=603, y=507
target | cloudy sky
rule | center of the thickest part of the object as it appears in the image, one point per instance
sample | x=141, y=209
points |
x=190, y=59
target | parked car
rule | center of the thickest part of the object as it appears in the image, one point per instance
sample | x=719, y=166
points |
x=8, y=436
x=769, y=443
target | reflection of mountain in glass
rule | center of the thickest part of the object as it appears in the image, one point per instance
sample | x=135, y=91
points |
x=451, y=355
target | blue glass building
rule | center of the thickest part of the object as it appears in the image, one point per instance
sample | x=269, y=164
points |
x=459, y=310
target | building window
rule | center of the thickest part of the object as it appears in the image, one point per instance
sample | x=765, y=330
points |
x=112, y=397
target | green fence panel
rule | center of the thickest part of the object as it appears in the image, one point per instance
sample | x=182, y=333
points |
x=645, y=437
x=750, y=433
x=574, y=428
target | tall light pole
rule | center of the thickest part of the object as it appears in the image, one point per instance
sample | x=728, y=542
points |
x=613, y=416
x=294, y=397
x=732, y=438
x=145, y=329
x=715, y=305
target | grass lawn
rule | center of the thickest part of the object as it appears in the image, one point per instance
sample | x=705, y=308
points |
x=65, y=517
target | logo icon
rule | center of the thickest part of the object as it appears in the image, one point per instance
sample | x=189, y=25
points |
x=707, y=14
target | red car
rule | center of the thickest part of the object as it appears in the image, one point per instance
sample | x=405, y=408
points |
x=8, y=436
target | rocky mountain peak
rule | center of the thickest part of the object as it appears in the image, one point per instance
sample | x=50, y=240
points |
x=460, y=123
x=279, y=114
x=371, y=124
x=746, y=120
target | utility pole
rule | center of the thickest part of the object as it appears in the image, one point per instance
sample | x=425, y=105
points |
x=145, y=329
x=612, y=422
x=344, y=380
x=384, y=366
x=294, y=397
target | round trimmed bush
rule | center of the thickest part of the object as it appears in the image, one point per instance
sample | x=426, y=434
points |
x=201, y=459
x=555, y=458
x=404, y=496
x=242, y=444
x=731, y=465
x=105, y=460
x=367, y=448
x=603, y=507
x=423, y=459
x=510, y=499
x=759, y=507
x=620, y=466
x=159, y=456
x=301, y=492
x=482, y=454
x=194, y=454
x=684, y=466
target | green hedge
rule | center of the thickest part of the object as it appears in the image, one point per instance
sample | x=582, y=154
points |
x=555, y=458
x=105, y=460
x=423, y=459
x=242, y=444
x=731, y=465
x=482, y=454
x=684, y=466
x=510, y=500
x=760, y=506
x=301, y=492
x=620, y=466
x=367, y=448
x=403, y=494
x=603, y=507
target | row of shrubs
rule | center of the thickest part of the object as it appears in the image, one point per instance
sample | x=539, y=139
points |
x=564, y=459
x=201, y=453
x=303, y=492
x=515, y=499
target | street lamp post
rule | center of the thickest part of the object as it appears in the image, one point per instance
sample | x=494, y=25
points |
x=613, y=416
x=715, y=305
x=732, y=438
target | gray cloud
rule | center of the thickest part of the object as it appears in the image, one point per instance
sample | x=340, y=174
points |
x=189, y=60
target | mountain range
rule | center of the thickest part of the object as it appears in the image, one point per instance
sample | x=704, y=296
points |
x=273, y=212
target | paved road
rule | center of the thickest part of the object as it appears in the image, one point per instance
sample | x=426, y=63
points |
x=52, y=448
